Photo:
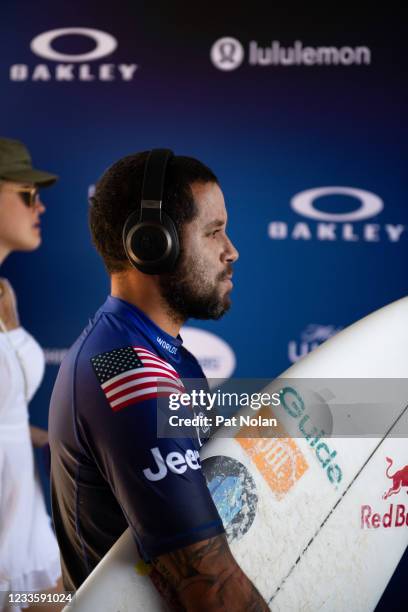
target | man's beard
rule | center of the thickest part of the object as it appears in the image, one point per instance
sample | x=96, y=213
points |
x=189, y=293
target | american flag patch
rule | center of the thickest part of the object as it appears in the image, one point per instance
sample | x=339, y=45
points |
x=133, y=374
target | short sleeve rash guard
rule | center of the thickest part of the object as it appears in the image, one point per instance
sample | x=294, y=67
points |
x=109, y=469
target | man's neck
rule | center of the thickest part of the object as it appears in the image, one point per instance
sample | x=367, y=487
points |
x=142, y=291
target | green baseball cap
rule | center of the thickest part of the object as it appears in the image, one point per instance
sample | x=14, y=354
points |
x=16, y=165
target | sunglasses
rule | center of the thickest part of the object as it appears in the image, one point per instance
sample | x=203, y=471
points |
x=29, y=195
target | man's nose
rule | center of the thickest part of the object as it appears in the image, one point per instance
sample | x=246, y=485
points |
x=231, y=253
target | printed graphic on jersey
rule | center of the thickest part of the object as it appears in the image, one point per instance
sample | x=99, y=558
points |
x=133, y=374
x=174, y=461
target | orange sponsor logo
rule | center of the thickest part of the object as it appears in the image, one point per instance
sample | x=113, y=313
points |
x=279, y=459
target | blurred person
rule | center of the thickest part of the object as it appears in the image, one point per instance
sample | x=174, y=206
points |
x=29, y=555
x=159, y=223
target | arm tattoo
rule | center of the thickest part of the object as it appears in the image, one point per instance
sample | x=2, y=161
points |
x=205, y=576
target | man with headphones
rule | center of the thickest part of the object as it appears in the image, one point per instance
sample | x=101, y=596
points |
x=159, y=223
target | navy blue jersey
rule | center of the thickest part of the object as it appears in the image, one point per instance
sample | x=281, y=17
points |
x=109, y=468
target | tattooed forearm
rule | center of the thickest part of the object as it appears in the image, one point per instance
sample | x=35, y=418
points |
x=251, y=599
x=165, y=589
x=206, y=577
x=192, y=561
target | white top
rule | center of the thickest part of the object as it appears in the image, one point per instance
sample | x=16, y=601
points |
x=29, y=555
x=21, y=371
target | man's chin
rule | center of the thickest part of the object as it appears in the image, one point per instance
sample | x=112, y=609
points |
x=223, y=308
x=214, y=311
x=186, y=303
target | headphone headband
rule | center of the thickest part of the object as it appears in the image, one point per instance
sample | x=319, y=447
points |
x=153, y=183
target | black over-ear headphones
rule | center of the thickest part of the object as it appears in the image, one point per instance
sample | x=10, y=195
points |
x=150, y=237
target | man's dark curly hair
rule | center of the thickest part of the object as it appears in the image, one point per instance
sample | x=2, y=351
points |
x=118, y=193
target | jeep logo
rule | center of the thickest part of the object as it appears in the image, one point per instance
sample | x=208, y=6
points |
x=175, y=462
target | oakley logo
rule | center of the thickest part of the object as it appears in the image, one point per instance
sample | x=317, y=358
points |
x=104, y=45
x=175, y=462
x=73, y=66
x=227, y=53
x=334, y=226
x=369, y=204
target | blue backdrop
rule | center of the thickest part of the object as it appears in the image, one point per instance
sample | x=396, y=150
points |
x=289, y=102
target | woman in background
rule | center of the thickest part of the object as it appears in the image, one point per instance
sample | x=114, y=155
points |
x=29, y=555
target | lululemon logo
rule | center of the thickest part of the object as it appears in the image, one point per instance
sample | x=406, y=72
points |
x=104, y=45
x=304, y=204
x=227, y=53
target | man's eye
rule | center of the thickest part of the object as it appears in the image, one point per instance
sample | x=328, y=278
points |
x=215, y=232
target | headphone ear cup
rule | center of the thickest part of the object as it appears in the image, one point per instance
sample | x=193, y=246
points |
x=172, y=256
x=131, y=221
x=151, y=247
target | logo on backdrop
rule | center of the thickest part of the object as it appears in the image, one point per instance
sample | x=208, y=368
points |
x=228, y=53
x=335, y=226
x=73, y=66
x=310, y=338
x=214, y=355
x=54, y=356
x=396, y=515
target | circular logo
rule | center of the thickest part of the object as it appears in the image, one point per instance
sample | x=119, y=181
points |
x=227, y=53
x=370, y=204
x=234, y=493
x=104, y=45
x=214, y=355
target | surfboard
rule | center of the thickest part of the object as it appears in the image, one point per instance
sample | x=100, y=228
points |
x=315, y=515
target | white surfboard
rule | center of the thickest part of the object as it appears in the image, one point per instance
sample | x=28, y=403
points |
x=317, y=521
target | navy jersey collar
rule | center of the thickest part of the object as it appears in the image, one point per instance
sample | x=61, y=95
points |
x=132, y=313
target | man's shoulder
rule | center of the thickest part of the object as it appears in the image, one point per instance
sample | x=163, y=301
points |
x=104, y=335
x=112, y=357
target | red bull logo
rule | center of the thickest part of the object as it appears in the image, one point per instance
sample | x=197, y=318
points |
x=399, y=479
x=394, y=515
